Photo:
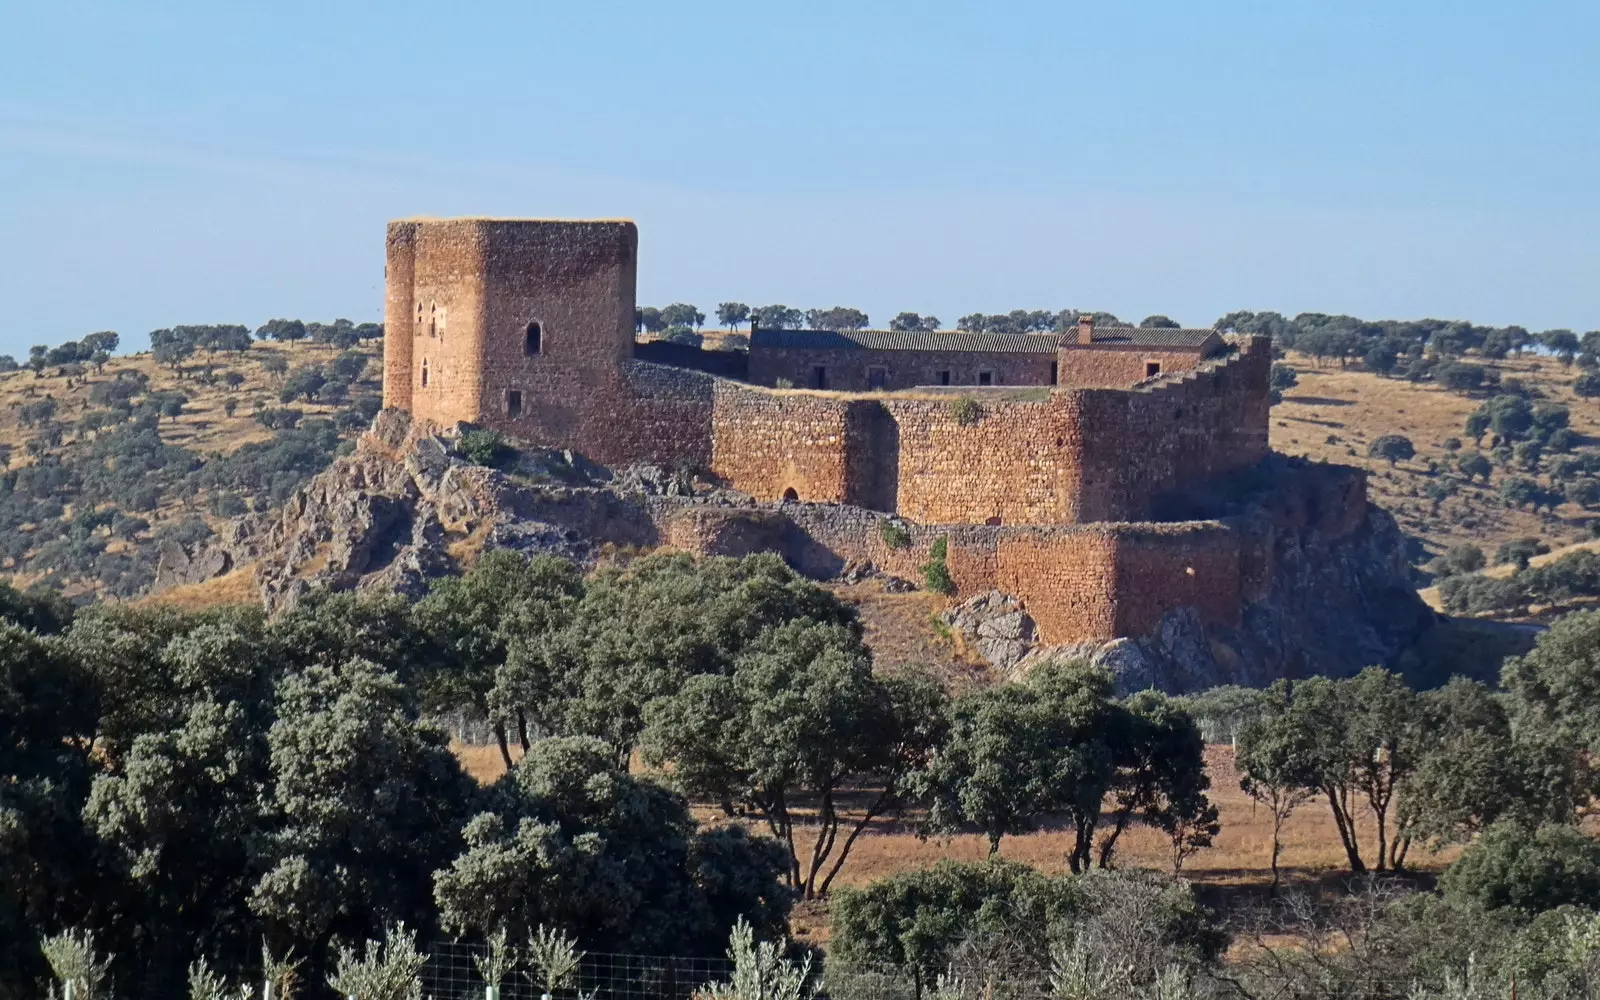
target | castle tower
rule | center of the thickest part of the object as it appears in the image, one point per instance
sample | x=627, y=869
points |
x=523, y=325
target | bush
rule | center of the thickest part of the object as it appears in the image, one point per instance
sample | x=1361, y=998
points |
x=935, y=573
x=1465, y=558
x=1519, y=551
x=957, y=912
x=1460, y=376
x=894, y=534
x=1392, y=448
x=1584, y=492
x=484, y=447
x=1508, y=868
x=966, y=411
x=918, y=918
x=274, y=420
x=1283, y=377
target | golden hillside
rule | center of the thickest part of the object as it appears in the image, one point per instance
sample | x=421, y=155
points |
x=1334, y=414
x=106, y=463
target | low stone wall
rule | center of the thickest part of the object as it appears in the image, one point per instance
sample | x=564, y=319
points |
x=1079, y=582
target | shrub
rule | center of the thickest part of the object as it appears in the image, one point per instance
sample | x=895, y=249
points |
x=484, y=447
x=1283, y=377
x=1460, y=376
x=1392, y=448
x=1506, y=867
x=274, y=420
x=918, y=918
x=1584, y=492
x=894, y=534
x=935, y=573
x=956, y=913
x=1519, y=551
x=966, y=411
x=1465, y=558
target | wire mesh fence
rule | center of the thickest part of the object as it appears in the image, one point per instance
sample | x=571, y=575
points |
x=454, y=970
x=452, y=973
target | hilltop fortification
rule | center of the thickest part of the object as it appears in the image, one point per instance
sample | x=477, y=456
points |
x=1063, y=468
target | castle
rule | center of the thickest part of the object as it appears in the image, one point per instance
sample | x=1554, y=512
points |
x=1047, y=465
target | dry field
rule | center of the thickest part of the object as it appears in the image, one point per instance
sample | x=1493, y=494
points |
x=1235, y=867
x=1335, y=413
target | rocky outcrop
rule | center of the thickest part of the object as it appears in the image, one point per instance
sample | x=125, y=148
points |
x=390, y=514
x=180, y=564
x=997, y=625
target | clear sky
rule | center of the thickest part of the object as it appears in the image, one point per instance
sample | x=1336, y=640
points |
x=229, y=162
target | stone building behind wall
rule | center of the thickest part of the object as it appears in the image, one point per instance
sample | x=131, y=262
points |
x=890, y=360
x=527, y=326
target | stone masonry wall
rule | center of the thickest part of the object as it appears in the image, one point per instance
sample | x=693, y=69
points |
x=1015, y=463
x=1155, y=441
x=847, y=369
x=462, y=294
x=1116, y=367
x=1079, y=582
x=475, y=287
x=776, y=444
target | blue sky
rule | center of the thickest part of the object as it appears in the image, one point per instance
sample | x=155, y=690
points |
x=185, y=163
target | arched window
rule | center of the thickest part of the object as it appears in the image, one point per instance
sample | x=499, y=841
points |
x=424, y=373
x=533, y=340
x=433, y=313
x=790, y=495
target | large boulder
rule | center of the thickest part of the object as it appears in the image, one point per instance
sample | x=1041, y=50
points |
x=997, y=624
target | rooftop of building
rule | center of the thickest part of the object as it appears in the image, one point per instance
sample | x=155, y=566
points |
x=959, y=340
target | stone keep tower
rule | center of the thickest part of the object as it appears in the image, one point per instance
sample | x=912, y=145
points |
x=520, y=324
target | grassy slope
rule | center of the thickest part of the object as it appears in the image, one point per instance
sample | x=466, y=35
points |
x=204, y=427
x=1333, y=414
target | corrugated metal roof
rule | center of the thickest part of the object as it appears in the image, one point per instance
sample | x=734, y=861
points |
x=956, y=340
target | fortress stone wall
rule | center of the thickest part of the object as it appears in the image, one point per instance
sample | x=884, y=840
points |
x=1042, y=487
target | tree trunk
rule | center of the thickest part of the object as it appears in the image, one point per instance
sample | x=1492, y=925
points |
x=500, y=740
x=1108, y=843
x=522, y=730
x=1347, y=831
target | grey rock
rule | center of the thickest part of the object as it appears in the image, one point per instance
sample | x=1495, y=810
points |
x=997, y=625
x=178, y=565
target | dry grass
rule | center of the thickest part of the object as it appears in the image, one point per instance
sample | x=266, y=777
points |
x=1239, y=858
x=204, y=425
x=483, y=763
x=901, y=631
x=237, y=586
x=1335, y=413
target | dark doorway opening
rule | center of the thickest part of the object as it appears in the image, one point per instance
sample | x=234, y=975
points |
x=1152, y=369
x=533, y=340
x=819, y=377
x=790, y=495
x=877, y=378
x=513, y=402
x=986, y=378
